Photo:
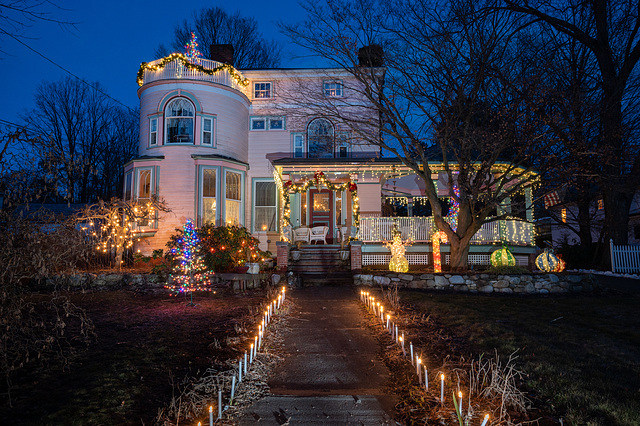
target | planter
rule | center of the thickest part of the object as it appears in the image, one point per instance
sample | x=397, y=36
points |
x=254, y=268
x=344, y=255
x=241, y=269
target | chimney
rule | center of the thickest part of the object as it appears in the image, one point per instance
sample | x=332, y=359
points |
x=221, y=53
x=371, y=56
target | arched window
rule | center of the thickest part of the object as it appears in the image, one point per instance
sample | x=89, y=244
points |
x=320, y=137
x=179, y=116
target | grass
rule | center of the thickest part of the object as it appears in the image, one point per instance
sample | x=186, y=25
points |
x=581, y=354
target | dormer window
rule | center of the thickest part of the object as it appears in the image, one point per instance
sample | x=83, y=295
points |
x=262, y=90
x=332, y=88
x=179, y=117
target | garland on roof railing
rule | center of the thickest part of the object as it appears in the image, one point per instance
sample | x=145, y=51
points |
x=185, y=61
x=319, y=180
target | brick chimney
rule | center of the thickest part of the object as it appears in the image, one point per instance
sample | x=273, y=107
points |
x=222, y=53
x=371, y=56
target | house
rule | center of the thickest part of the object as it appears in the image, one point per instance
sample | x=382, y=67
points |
x=226, y=146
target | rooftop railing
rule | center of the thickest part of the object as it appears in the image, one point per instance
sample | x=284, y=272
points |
x=176, y=69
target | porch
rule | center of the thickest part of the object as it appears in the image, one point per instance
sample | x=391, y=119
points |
x=420, y=230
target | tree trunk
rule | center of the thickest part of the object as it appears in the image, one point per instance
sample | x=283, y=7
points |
x=459, y=253
x=616, y=215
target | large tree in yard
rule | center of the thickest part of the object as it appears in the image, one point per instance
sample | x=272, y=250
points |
x=442, y=92
x=610, y=31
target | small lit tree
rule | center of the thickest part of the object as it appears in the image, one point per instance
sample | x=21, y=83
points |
x=189, y=267
x=113, y=226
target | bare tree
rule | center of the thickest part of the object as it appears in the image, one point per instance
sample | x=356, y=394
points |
x=215, y=26
x=455, y=95
x=16, y=16
x=609, y=30
x=81, y=130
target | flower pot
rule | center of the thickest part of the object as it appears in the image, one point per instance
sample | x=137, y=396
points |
x=241, y=269
x=344, y=255
x=254, y=268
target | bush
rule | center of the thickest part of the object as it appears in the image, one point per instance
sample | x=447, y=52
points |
x=226, y=247
x=508, y=270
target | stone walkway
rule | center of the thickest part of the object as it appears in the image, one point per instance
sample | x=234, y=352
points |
x=331, y=374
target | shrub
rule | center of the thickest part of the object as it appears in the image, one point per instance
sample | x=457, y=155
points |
x=508, y=270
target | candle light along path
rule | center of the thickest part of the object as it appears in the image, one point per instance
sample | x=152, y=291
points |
x=249, y=357
x=386, y=321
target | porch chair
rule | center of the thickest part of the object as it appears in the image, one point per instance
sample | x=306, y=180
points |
x=319, y=233
x=302, y=234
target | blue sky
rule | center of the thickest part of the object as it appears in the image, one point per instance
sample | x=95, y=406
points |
x=111, y=39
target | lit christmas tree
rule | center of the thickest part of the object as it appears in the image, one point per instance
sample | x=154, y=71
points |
x=191, y=49
x=189, y=268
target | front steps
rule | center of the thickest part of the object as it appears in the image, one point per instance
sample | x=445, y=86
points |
x=321, y=265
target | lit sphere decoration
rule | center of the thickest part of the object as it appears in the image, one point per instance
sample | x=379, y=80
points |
x=503, y=257
x=549, y=262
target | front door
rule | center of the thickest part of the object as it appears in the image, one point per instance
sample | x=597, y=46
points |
x=321, y=211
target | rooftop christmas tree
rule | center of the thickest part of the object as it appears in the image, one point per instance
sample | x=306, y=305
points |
x=191, y=49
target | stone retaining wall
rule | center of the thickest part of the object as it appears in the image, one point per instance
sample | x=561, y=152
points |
x=106, y=281
x=484, y=283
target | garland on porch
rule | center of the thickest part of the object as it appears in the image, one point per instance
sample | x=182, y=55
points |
x=319, y=180
x=188, y=64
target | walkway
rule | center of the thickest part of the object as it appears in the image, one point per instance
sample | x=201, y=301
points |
x=331, y=374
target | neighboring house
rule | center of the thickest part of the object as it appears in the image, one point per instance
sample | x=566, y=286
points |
x=222, y=146
x=562, y=228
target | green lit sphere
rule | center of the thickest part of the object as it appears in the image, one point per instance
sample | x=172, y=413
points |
x=503, y=257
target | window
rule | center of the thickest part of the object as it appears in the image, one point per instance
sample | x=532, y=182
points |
x=276, y=123
x=144, y=185
x=267, y=123
x=265, y=216
x=258, y=123
x=298, y=146
x=342, y=145
x=153, y=131
x=208, y=196
x=128, y=186
x=600, y=204
x=144, y=191
x=179, y=116
x=207, y=131
x=332, y=89
x=262, y=90
x=233, y=197
x=563, y=215
x=320, y=138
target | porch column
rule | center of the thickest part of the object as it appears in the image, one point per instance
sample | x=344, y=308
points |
x=282, y=251
x=356, y=255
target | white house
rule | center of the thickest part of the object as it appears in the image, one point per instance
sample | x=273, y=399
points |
x=227, y=146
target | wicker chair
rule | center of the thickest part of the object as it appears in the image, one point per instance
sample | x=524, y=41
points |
x=319, y=233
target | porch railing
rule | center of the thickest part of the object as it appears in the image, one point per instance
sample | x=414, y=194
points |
x=420, y=229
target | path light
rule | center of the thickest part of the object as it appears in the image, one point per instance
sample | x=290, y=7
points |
x=418, y=369
x=382, y=315
x=219, y=403
x=388, y=318
x=411, y=351
x=404, y=353
x=441, y=388
x=245, y=363
x=240, y=371
x=426, y=379
x=486, y=419
x=233, y=389
x=210, y=415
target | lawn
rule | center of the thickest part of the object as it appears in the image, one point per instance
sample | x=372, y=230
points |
x=581, y=353
x=145, y=344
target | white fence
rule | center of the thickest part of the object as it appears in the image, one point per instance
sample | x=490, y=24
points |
x=420, y=229
x=625, y=259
